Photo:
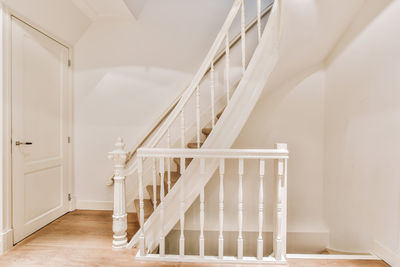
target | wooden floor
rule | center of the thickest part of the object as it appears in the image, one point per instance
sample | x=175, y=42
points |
x=83, y=238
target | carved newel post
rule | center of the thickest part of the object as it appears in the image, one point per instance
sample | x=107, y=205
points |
x=118, y=156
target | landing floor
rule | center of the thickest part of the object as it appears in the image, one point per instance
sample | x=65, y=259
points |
x=83, y=238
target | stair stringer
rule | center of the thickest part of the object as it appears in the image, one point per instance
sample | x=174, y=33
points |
x=223, y=135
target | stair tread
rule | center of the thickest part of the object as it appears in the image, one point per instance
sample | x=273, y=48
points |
x=148, y=208
x=174, y=178
x=194, y=145
x=206, y=131
x=178, y=161
x=149, y=189
x=219, y=114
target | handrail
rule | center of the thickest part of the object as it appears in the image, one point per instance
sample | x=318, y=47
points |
x=174, y=104
x=213, y=153
x=239, y=36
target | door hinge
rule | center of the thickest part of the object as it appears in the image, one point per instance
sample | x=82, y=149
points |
x=69, y=197
x=69, y=63
x=69, y=139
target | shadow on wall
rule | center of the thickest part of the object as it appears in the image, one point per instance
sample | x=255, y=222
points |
x=370, y=10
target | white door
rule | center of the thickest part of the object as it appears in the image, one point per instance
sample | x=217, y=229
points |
x=39, y=129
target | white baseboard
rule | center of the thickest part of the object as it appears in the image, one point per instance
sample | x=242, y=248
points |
x=6, y=241
x=98, y=205
x=390, y=257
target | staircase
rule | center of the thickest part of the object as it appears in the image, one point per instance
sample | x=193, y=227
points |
x=175, y=161
x=170, y=179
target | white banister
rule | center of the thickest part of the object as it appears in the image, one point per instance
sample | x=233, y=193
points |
x=259, y=20
x=243, y=36
x=227, y=66
x=221, y=208
x=118, y=156
x=162, y=194
x=260, y=211
x=154, y=172
x=218, y=158
x=198, y=116
x=212, y=89
x=182, y=159
x=240, y=211
x=168, y=162
x=141, y=206
x=279, y=238
x=201, y=238
x=182, y=219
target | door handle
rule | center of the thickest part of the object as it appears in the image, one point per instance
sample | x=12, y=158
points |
x=18, y=143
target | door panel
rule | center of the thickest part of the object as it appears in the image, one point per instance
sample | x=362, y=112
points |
x=39, y=116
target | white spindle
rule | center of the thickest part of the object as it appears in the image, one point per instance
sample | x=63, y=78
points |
x=141, y=206
x=169, y=161
x=240, y=211
x=243, y=36
x=182, y=160
x=227, y=66
x=259, y=19
x=279, y=220
x=212, y=88
x=260, y=211
x=182, y=217
x=201, y=239
x=154, y=172
x=118, y=156
x=162, y=237
x=198, y=115
x=221, y=209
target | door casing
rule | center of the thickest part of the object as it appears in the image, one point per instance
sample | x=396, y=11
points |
x=6, y=209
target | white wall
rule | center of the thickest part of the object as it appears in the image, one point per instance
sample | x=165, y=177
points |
x=60, y=18
x=362, y=170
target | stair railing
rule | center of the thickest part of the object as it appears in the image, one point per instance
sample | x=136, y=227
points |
x=280, y=155
x=164, y=135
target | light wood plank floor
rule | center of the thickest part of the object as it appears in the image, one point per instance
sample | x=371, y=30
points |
x=83, y=238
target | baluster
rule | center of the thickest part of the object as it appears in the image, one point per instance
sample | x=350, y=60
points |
x=243, y=37
x=212, y=88
x=198, y=115
x=259, y=19
x=221, y=209
x=153, y=169
x=240, y=211
x=118, y=156
x=260, y=211
x=227, y=65
x=182, y=215
x=141, y=206
x=279, y=214
x=162, y=237
x=201, y=239
x=169, y=162
x=182, y=161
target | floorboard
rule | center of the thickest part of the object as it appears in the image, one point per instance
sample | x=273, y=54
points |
x=83, y=238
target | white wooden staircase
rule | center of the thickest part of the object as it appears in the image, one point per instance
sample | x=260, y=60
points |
x=177, y=159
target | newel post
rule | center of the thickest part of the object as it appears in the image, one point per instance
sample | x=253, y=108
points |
x=280, y=207
x=118, y=156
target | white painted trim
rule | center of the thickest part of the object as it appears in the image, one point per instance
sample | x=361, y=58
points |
x=386, y=254
x=6, y=241
x=6, y=193
x=332, y=257
x=214, y=153
x=209, y=259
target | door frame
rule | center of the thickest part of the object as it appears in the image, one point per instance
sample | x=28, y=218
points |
x=6, y=207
